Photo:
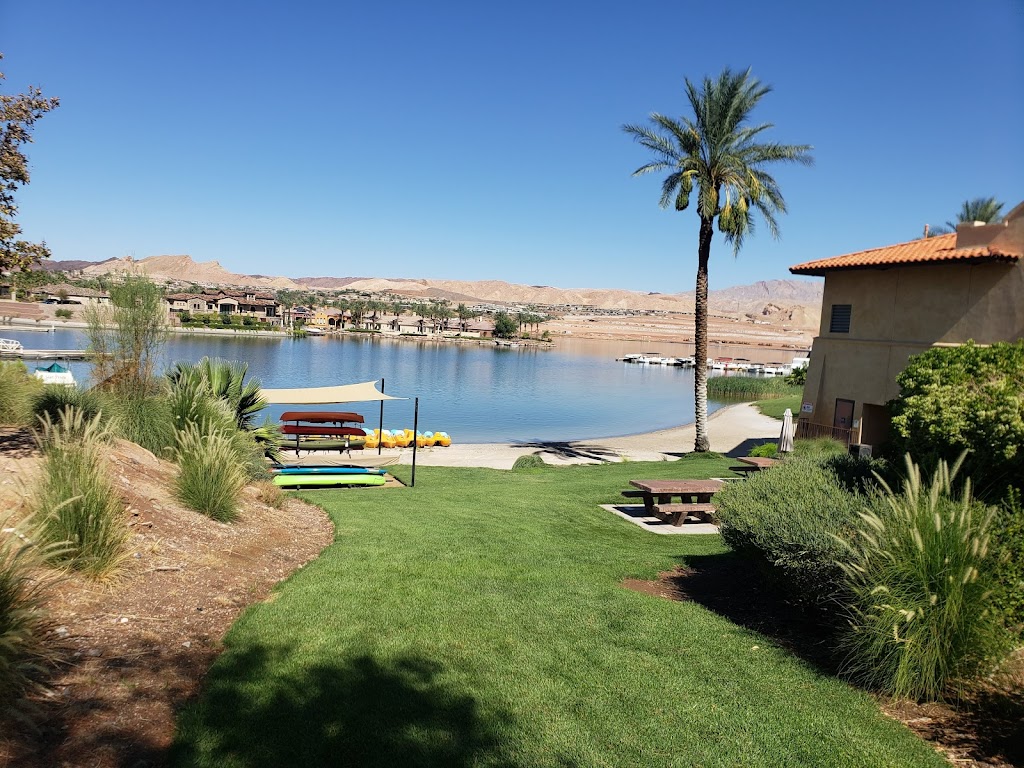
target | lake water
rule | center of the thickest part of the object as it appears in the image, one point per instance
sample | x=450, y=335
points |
x=477, y=394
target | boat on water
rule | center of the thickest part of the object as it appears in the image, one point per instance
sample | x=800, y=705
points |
x=312, y=330
x=506, y=343
x=55, y=373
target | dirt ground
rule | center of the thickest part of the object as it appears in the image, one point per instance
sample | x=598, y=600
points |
x=678, y=328
x=985, y=730
x=136, y=648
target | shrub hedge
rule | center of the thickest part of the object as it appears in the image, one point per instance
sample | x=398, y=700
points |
x=786, y=520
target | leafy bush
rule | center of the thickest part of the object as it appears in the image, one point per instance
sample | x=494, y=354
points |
x=17, y=389
x=210, y=478
x=23, y=623
x=749, y=388
x=766, y=450
x=798, y=376
x=54, y=399
x=916, y=572
x=961, y=398
x=786, y=519
x=142, y=419
x=1008, y=561
x=63, y=314
x=74, y=503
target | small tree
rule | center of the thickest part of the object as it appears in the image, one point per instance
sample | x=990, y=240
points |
x=505, y=327
x=18, y=113
x=126, y=336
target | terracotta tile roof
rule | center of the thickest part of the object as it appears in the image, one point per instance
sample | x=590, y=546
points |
x=941, y=248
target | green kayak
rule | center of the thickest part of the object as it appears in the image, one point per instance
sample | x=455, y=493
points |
x=326, y=481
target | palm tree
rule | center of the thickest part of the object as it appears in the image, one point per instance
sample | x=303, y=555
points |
x=717, y=153
x=986, y=209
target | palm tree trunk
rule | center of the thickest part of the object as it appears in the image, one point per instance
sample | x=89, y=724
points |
x=700, y=338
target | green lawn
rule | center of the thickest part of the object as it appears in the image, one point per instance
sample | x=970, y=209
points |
x=478, y=620
x=777, y=406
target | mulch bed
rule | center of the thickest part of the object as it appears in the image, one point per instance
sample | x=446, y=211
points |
x=136, y=649
x=985, y=730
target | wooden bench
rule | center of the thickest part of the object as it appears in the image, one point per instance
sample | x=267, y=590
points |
x=631, y=494
x=677, y=513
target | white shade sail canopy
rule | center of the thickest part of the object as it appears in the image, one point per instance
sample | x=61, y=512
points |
x=344, y=393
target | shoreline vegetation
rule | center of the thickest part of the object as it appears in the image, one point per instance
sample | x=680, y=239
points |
x=45, y=326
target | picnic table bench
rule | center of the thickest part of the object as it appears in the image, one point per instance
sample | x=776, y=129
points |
x=694, y=498
x=753, y=464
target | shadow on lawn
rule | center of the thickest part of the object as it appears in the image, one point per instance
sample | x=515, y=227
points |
x=730, y=586
x=986, y=726
x=572, y=450
x=361, y=713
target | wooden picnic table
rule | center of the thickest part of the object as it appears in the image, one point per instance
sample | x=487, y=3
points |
x=756, y=463
x=694, y=495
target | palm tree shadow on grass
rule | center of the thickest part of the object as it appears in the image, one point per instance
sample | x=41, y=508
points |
x=364, y=712
x=572, y=450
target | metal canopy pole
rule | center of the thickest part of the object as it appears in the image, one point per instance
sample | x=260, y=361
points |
x=380, y=433
x=415, y=434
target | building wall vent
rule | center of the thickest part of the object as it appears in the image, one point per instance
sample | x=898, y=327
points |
x=840, y=322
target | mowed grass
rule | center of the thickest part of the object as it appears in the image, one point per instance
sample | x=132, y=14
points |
x=777, y=406
x=479, y=620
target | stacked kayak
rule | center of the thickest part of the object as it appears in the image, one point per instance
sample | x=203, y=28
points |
x=327, y=476
x=403, y=438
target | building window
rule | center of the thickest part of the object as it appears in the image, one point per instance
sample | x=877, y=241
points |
x=840, y=322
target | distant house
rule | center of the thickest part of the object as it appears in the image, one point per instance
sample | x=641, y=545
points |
x=883, y=305
x=263, y=307
x=328, y=318
x=66, y=293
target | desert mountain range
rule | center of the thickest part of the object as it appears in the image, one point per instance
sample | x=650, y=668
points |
x=796, y=303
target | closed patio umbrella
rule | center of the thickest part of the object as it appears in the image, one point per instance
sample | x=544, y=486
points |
x=786, y=437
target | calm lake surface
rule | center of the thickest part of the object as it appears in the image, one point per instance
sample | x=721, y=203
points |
x=478, y=394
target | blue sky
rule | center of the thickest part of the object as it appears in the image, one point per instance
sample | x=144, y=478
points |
x=483, y=141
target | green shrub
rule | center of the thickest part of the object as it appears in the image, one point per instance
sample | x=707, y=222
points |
x=749, y=388
x=819, y=446
x=63, y=314
x=1008, y=561
x=529, y=461
x=17, y=390
x=785, y=520
x=53, y=399
x=24, y=653
x=142, y=419
x=766, y=450
x=916, y=573
x=210, y=477
x=969, y=398
x=74, y=502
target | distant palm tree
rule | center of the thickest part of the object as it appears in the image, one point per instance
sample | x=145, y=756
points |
x=717, y=152
x=986, y=209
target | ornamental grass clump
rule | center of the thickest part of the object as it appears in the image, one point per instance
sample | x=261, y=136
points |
x=17, y=389
x=75, y=504
x=749, y=388
x=210, y=479
x=920, y=617
x=54, y=398
x=24, y=653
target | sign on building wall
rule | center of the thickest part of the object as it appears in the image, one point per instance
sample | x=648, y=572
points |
x=807, y=408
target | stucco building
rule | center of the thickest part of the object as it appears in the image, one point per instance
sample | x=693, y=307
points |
x=883, y=305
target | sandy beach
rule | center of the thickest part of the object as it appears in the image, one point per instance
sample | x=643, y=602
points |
x=735, y=427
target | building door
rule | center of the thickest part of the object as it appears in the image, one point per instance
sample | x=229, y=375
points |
x=843, y=419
